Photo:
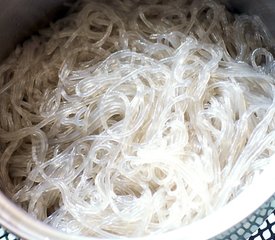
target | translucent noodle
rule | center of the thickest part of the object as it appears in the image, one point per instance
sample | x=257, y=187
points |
x=131, y=118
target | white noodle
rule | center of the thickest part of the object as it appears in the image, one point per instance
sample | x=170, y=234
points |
x=130, y=118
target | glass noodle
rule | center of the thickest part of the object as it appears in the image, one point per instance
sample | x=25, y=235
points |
x=128, y=118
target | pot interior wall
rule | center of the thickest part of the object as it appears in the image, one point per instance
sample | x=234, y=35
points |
x=20, y=18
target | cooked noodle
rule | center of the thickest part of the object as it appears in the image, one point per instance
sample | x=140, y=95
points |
x=129, y=118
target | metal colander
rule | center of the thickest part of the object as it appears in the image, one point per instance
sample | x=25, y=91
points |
x=236, y=221
x=246, y=229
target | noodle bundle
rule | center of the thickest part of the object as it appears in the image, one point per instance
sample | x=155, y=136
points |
x=130, y=118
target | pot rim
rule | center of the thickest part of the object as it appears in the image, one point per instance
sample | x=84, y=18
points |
x=21, y=224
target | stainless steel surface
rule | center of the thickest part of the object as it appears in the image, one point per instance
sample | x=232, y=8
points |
x=265, y=9
x=19, y=18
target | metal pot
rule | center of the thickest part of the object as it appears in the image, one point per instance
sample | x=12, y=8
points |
x=237, y=220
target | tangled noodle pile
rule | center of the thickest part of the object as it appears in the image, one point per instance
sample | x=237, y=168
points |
x=130, y=118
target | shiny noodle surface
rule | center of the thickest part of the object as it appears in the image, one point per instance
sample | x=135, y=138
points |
x=131, y=117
